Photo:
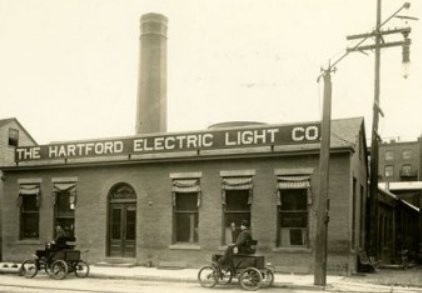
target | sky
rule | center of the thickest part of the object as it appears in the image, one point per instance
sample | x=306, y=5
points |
x=69, y=69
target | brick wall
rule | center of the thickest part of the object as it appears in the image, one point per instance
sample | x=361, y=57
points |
x=152, y=185
x=7, y=156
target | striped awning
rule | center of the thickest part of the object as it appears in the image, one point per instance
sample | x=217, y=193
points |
x=61, y=187
x=29, y=189
x=237, y=183
x=186, y=185
x=293, y=182
x=69, y=187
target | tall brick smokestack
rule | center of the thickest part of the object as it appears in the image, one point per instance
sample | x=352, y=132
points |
x=152, y=84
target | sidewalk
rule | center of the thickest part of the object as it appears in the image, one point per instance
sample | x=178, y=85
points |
x=291, y=281
x=364, y=283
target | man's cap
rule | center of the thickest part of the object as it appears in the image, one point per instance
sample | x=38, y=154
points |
x=244, y=223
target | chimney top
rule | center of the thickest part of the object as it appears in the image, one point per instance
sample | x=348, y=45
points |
x=154, y=23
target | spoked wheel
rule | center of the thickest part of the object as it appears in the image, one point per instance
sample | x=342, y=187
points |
x=250, y=279
x=29, y=268
x=207, y=276
x=267, y=277
x=59, y=269
x=81, y=269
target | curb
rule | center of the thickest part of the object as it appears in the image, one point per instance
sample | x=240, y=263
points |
x=335, y=287
x=191, y=280
x=361, y=287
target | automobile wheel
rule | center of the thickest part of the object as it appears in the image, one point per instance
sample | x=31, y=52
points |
x=207, y=276
x=267, y=278
x=81, y=269
x=29, y=268
x=250, y=279
x=59, y=269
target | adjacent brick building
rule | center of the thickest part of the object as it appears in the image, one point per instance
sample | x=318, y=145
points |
x=12, y=134
x=400, y=165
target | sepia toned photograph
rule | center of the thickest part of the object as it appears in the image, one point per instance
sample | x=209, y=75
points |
x=212, y=145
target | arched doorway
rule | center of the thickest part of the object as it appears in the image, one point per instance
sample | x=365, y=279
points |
x=122, y=221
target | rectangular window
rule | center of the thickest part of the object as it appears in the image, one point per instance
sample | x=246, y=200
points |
x=64, y=206
x=65, y=213
x=406, y=171
x=388, y=171
x=13, y=137
x=407, y=154
x=186, y=200
x=186, y=217
x=29, y=211
x=237, y=200
x=293, y=215
x=389, y=155
x=294, y=197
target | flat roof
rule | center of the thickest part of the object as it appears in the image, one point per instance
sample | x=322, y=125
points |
x=401, y=185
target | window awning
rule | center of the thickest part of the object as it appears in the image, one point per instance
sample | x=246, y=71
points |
x=186, y=186
x=237, y=183
x=293, y=182
x=29, y=189
x=69, y=187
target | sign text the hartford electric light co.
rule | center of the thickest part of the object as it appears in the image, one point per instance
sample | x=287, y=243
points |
x=215, y=139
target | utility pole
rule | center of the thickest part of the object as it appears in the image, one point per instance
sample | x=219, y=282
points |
x=373, y=170
x=320, y=266
x=379, y=43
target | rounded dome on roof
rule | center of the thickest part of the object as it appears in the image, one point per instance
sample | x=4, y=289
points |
x=231, y=124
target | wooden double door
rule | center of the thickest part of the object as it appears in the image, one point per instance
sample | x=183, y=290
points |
x=122, y=229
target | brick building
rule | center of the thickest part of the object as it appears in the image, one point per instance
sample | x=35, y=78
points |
x=400, y=165
x=12, y=134
x=164, y=197
x=174, y=197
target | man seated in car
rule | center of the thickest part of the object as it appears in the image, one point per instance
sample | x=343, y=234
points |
x=58, y=243
x=242, y=244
